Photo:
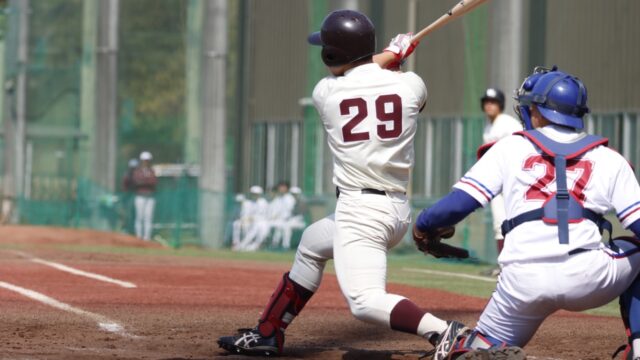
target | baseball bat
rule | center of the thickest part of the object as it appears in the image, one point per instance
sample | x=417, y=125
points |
x=461, y=8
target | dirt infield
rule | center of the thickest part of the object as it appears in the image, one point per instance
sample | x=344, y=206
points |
x=180, y=305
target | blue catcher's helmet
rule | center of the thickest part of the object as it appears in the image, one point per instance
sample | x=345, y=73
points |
x=561, y=98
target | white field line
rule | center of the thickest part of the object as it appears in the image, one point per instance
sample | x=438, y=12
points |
x=451, y=274
x=103, y=322
x=65, y=268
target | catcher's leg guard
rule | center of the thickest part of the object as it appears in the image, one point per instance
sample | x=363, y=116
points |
x=627, y=305
x=285, y=304
x=630, y=313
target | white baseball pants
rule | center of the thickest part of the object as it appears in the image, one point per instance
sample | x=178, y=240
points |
x=529, y=292
x=144, y=216
x=357, y=237
x=255, y=235
x=283, y=230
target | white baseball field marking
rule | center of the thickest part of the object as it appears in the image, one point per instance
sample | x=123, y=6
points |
x=452, y=274
x=104, y=323
x=65, y=268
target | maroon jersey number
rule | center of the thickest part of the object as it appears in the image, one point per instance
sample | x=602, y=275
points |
x=388, y=111
x=361, y=113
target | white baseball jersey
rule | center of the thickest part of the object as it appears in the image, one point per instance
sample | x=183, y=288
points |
x=370, y=117
x=602, y=180
x=254, y=209
x=503, y=126
x=281, y=207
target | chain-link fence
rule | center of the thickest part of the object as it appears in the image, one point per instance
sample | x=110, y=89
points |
x=89, y=85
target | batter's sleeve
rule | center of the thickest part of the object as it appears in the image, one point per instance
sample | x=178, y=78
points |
x=417, y=86
x=484, y=181
x=625, y=194
x=320, y=93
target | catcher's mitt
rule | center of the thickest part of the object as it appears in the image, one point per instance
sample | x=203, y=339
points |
x=429, y=243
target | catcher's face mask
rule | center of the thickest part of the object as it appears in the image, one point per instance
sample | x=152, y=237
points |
x=524, y=97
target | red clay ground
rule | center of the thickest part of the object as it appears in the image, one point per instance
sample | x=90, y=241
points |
x=181, y=305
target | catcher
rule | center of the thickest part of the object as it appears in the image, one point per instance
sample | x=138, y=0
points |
x=557, y=183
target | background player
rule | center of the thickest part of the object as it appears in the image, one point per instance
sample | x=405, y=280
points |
x=144, y=182
x=370, y=116
x=557, y=182
x=249, y=227
x=498, y=126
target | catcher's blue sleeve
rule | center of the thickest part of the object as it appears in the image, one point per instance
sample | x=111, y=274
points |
x=635, y=228
x=448, y=211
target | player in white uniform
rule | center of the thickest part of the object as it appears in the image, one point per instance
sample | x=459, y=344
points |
x=281, y=212
x=557, y=182
x=370, y=116
x=253, y=221
x=499, y=125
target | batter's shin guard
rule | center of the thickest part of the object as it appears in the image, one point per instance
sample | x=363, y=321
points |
x=285, y=304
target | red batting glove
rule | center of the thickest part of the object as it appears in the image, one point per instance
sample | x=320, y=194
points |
x=401, y=47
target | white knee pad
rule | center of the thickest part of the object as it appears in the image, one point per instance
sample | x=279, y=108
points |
x=373, y=306
x=315, y=248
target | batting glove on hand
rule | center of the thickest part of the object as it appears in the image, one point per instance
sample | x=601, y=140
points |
x=430, y=243
x=401, y=47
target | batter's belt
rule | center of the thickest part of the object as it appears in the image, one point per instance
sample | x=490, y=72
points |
x=365, y=191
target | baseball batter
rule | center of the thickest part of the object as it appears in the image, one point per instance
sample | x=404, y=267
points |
x=499, y=125
x=557, y=182
x=370, y=116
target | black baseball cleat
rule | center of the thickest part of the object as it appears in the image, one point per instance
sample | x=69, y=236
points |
x=250, y=342
x=505, y=353
x=444, y=349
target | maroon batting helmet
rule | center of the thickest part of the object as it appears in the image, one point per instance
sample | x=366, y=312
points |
x=346, y=36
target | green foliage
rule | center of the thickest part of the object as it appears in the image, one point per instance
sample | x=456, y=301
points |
x=151, y=79
x=55, y=49
x=152, y=58
x=55, y=33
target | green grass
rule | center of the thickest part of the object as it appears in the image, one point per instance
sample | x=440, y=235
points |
x=397, y=267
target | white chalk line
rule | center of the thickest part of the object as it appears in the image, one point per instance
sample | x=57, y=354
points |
x=68, y=269
x=451, y=274
x=104, y=323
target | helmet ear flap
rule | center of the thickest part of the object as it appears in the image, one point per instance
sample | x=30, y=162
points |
x=333, y=56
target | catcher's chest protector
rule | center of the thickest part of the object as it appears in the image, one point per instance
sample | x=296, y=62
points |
x=562, y=207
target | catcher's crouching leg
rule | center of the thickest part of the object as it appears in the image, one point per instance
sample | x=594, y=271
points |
x=267, y=338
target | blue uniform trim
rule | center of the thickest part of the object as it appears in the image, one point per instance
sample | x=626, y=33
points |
x=627, y=208
x=480, y=184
